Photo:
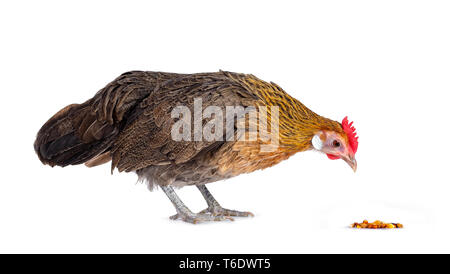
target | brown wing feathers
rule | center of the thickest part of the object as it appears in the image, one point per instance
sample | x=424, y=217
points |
x=146, y=140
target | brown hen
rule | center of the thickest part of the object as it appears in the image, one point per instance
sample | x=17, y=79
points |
x=131, y=123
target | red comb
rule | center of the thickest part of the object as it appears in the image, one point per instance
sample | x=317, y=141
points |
x=350, y=130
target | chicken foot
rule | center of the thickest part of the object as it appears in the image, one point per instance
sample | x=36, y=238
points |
x=215, y=209
x=185, y=214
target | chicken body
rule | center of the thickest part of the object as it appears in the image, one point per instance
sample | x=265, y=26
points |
x=130, y=122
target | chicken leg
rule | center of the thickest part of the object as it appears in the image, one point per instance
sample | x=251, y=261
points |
x=185, y=214
x=215, y=209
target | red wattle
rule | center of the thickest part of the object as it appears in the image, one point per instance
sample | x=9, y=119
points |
x=333, y=157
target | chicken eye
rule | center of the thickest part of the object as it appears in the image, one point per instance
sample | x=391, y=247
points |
x=336, y=143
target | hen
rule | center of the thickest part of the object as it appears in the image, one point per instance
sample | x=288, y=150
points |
x=142, y=123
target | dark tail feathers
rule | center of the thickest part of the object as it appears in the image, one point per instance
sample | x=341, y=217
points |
x=72, y=136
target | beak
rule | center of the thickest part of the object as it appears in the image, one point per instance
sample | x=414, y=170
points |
x=351, y=161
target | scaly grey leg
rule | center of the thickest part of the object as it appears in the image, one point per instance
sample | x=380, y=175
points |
x=215, y=209
x=185, y=213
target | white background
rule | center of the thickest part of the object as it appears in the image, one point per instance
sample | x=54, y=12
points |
x=385, y=64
